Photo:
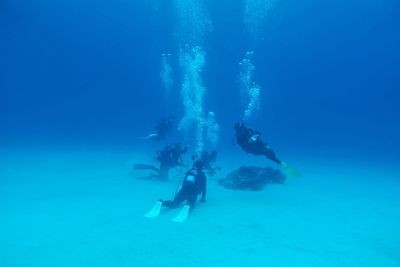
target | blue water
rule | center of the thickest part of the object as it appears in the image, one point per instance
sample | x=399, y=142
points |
x=86, y=71
x=87, y=74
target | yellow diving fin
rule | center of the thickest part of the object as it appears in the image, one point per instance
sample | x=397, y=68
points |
x=289, y=171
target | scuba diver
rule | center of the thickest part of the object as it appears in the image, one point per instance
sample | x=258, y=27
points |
x=163, y=127
x=250, y=141
x=208, y=159
x=194, y=184
x=169, y=157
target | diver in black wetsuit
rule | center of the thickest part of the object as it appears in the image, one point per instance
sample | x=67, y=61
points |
x=250, y=141
x=194, y=184
x=169, y=157
x=163, y=127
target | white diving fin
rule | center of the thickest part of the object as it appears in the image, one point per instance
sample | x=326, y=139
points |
x=183, y=214
x=155, y=211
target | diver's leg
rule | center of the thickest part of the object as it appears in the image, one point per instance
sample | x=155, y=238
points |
x=270, y=154
x=191, y=199
x=179, y=198
x=154, y=175
x=145, y=167
x=164, y=170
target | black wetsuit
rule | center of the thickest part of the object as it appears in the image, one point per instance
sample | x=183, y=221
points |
x=249, y=141
x=194, y=184
x=169, y=157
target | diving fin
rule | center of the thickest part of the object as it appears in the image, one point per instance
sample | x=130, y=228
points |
x=155, y=211
x=290, y=171
x=150, y=136
x=183, y=214
x=145, y=167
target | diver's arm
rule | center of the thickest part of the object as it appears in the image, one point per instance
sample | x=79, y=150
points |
x=203, y=187
x=180, y=161
x=253, y=135
x=251, y=131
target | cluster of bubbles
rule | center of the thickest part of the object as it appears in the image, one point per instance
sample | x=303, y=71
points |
x=194, y=24
x=255, y=12
x=250, y=91
x=194, y=21
x=213, y=129
x=192, y=60
x=254, y=102
x=166, y=74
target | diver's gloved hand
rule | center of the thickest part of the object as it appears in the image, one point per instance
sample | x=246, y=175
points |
x=254, y=138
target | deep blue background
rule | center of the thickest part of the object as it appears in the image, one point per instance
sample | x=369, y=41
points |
x=88, y=72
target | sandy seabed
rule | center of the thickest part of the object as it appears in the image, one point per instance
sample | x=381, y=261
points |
x=85, y=208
